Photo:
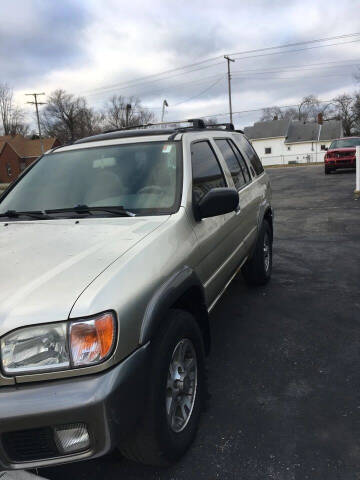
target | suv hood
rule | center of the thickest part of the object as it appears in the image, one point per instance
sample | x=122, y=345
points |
x=45, y=266
x=344, y=149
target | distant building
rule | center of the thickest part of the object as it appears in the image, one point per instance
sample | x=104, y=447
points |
x=290, y=141
x=17, y=152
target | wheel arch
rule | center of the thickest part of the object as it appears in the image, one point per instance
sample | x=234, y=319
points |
x=183, y=290
x=269, y=217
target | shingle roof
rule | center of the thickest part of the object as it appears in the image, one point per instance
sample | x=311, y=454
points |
x=25, y=147
x=331, y=130
x=271, y=129
x=295, y=131
x=302, y=132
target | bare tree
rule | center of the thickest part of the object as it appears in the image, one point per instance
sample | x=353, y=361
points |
x=68, y=117
x=277, y=113
x=117, y=114
x=356, y=111
x=344, y=108
x=12, y=117
x=307, y=111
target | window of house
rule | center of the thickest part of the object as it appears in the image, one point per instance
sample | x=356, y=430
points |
x=22, y=165
x=267, y=150
x=8, y=169
x=207, y=173
x=323, y=147
x=289, y=148
x=232, y=163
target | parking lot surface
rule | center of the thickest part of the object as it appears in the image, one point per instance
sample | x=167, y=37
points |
x=284, y=371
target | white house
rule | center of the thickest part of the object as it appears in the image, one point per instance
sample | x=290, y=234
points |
x=289, y=141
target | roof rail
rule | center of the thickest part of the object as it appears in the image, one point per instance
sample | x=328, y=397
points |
x=174, y=128
x=196, y=123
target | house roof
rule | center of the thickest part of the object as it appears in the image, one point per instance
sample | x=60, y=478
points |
x=271, y=129
x=302, y=132
x=331, y=130
x=295, y=131
x=26, y=147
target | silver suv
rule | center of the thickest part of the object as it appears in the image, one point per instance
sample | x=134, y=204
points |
x=113, y=252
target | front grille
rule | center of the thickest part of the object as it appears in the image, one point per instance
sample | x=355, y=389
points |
x=30, y=445
x=345, y=154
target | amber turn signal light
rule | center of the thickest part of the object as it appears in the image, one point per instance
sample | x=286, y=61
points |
x=92, y=340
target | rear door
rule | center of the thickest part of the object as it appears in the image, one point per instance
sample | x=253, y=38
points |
x=241, y=222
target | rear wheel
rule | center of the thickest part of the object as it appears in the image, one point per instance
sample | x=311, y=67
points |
x=257, y=270
x=176, y=394
x=327, y=170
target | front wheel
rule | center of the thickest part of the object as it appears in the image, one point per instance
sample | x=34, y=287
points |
x=176, y=393
x=257, y=270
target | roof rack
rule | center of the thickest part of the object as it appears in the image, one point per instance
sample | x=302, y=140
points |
x=173, y=129
x=196, y=123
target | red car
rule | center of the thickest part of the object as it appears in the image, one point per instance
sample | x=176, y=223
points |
x=341, y=154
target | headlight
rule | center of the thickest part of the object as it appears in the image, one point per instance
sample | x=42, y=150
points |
x=58, y=346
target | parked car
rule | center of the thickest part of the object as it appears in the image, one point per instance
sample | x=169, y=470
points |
x=341, y=154
x=113, y=252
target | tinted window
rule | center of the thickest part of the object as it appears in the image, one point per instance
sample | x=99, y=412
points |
x=242, y=162
x=142, y=177
x=207, y=173
x=345, y=143
x=232, y=163
x=252, y=155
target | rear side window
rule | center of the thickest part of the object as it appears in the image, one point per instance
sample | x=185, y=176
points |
x=252, y=155
x=232, y=162
x=207, y=173
x=242, y=162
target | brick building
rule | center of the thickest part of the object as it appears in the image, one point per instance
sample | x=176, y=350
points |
x=17, y=152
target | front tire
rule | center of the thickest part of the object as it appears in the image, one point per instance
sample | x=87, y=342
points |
x=176, y=394
x=257, y=270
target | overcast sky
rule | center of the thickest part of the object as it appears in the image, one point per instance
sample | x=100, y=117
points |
x=94, y=47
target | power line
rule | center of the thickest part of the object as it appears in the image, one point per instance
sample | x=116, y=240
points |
x=199, y=94
x=260, y=109
x=143, y=80
x=240, y=73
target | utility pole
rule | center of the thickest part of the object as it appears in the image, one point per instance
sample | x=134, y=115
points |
x=165, y=104
x=127, y=113
x=36, y=103
x=229, y=84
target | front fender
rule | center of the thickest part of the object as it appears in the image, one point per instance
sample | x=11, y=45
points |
x=166, y=296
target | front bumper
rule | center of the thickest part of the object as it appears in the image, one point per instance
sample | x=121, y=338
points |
x=109, y=404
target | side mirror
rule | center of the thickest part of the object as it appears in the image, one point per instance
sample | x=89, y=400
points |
x=217, y=201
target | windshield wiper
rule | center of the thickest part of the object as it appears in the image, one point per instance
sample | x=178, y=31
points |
x=118, y=211
x=38, y=215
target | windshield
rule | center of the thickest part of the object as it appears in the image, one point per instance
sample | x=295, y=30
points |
x=345, y=143
x=141, y=177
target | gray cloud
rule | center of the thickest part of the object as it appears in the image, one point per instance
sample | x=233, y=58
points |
x=35, y=40
x=112, y=42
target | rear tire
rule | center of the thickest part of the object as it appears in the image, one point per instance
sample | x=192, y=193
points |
x=257, y=270
x=327, y=171
x=176, y=395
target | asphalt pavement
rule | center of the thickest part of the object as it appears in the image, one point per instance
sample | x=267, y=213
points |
x=284, y=370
